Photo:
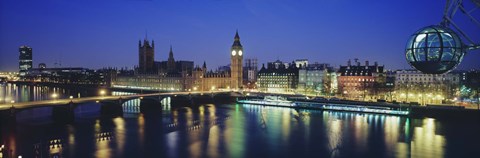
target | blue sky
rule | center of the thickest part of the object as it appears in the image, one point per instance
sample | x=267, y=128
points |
x=102, y=33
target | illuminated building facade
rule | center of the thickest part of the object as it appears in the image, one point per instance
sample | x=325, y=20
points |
x=181, y=76
x=67, y=75
x=8, y=76
x=360, y=82
x=415, y=86
x=204, y=80
x=250, y=70
x=25, y=59
x=331, y=82
x=316, y=79
x=151, y=82
x=277, y=78
x=236, y=63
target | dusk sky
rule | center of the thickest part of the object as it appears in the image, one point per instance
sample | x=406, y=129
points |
x=105, y=33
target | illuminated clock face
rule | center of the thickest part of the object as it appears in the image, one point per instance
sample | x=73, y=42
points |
x=240, y=52
x=234, y=52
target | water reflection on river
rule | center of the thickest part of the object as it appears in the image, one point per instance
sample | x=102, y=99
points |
x=235, y=130
x=25, y=93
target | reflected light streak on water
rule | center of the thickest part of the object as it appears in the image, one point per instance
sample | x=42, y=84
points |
x=236, y=130
x=425, y=139
x=120, y=134
x=334, y=135
x=361, y=131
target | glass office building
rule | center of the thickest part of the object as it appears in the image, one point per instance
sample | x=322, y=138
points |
x=25, y=59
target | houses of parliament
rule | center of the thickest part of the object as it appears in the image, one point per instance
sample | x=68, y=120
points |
x=172, y=75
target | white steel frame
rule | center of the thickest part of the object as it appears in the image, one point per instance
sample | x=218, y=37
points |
x=451, y=8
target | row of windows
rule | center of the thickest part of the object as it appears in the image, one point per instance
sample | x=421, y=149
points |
x=309, y=74
x=277, y=85
x=153, y=85
x=274, y=79
x=357, y=79
x=276, y=74
x=357, y=84
x=357, y=74
x=275, y=82
x=422, y=75
x=425, y=79
x=310, y=79
x=148, y=80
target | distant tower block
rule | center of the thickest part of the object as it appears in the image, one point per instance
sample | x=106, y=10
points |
x=25, y=59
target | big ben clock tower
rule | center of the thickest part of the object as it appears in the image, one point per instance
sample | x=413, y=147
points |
x=236, y=63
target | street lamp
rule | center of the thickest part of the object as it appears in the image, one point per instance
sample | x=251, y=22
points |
x=103, y=92
x=13, y=102
x=1, y=150
x=54, y=96
x=478, y=100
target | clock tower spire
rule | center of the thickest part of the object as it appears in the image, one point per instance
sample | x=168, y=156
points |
x=236, y=63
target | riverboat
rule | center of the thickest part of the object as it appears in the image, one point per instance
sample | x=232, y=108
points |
x=269, y=100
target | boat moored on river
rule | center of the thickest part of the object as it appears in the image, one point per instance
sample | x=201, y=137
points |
x=269, y=100
x=284, y=102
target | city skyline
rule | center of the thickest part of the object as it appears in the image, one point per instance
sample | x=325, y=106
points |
x=239, y=78
x=77, y=39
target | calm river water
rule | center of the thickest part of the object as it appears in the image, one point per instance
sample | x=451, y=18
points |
x=228, y=130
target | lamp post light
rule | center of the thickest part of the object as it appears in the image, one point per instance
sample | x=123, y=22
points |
x=478, y=99
x=12, y=102
x=54, y=96
x=103, y=92
x=1, y=150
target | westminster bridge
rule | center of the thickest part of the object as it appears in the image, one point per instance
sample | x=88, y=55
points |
x=63, y=109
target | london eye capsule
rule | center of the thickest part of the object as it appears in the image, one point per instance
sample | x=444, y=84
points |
x=435, y=50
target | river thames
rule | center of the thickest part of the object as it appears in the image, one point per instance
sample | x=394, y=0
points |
x=226, y=130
